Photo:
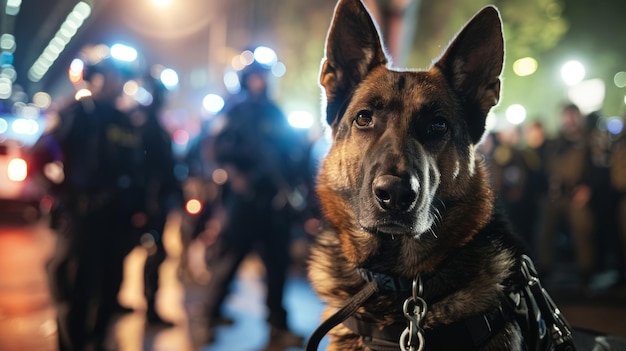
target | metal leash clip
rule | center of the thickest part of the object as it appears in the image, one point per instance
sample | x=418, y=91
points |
x=414, y=308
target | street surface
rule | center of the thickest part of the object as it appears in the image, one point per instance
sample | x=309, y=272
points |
x=27, y=312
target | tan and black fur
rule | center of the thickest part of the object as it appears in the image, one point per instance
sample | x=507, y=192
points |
x=401, y=189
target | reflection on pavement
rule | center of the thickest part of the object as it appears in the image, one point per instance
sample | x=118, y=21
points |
x=28, y=314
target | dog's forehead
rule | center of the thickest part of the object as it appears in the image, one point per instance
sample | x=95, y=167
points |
x=386, y=88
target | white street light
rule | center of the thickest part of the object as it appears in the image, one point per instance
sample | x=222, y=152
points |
x=516, y=114
x=123, y=53
x=300, y=119
x=572, y=72
x=213, y=103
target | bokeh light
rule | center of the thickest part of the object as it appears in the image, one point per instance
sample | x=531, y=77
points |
x=588, y=95
x=6, y=88
x=193, y=206
x=25, y=126
x=300, y=119
x=4, y=125
x=7, y=42
x=516, y=114
x=169, y=78
x=42, y=100
x=573, y=72
x=131, y=87
x=525, y=66
x=279, y=69
x=231, y=82
x=620, y=79
x=265, y=55
x=123, y=52
x=213, y=103
x=17, y=170
x=181, y=137
x=219, y=176
x=614, y=125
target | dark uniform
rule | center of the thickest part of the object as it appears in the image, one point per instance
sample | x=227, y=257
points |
x=259, y=150
x=618, y=182
x=162, y=195
x=567, y=205
x=101, y=193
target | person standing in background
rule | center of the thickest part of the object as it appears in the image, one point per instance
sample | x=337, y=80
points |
x=163, y=192
x=618, y=182
x=260, y=153
x=101, y=195
x=569, y=194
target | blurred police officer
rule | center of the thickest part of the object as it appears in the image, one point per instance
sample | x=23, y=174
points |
x=162, y=190
x=256, y=148
x=101, y=194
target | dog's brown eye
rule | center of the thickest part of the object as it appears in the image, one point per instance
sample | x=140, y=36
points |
x=438, y=127
x=363, y=118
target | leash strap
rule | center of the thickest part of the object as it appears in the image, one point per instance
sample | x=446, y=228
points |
x=342, y=314
x=555, y=333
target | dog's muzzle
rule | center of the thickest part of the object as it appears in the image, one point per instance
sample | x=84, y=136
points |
x=395, y=194
x=401, y=207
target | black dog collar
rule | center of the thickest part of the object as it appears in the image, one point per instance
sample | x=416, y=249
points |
x=386, y=282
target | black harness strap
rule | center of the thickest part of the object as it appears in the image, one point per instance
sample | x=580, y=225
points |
x=353, y=305
x=542, y=324
x=469, y=334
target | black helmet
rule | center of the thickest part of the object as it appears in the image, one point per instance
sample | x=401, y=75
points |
x=255, y=68
x=98, y=59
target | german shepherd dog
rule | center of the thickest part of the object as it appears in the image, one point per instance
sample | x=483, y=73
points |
x=407, y=202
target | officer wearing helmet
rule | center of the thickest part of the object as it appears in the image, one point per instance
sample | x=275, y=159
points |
x=163, y=191
x=255, y=147
x=101, y=197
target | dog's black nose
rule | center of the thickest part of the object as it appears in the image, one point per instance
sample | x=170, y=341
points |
x=395, y=193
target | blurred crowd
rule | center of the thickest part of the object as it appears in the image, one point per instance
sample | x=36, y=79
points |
x=565, y=191
x=118, y=186
x=247, y=174
x=247, y=185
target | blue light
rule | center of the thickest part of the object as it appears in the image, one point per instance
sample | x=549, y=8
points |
x=169, y=78
x=123, y=52
x=614, y=125
x=22, y=129
x=6, y=58
x=3, y=125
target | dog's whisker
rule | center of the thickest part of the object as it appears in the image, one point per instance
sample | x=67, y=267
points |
x=432, y=231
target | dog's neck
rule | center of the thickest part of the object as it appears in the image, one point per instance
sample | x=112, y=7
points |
x=435, y=287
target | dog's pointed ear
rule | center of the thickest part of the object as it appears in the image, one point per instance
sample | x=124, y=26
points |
x=353, y=49
x=472, y=63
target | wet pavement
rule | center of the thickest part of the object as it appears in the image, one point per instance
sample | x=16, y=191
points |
x=27, y=312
